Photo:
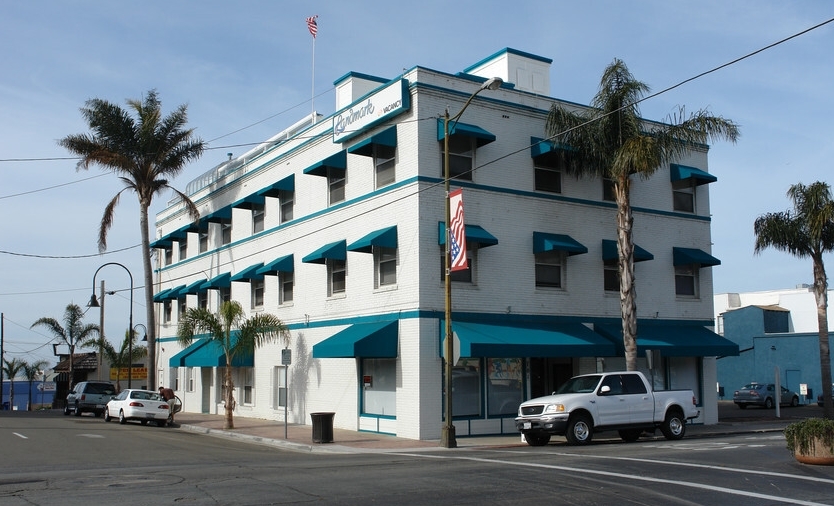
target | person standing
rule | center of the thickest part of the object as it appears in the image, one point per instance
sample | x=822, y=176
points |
x=171, y=399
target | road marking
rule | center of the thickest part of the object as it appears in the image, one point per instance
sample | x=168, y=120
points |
x=92, y=436
x=20, y=435
x=702, y=486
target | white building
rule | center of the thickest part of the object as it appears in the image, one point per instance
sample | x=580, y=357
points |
x=336, y=226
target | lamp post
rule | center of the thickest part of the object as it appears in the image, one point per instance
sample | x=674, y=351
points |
x=94, y=303
x=144, y=338
x=447, y=435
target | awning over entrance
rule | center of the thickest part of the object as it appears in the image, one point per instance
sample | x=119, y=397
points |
x=688, y=256
x=208, y=353
x=361, y=340
x=672, y=340
x=387, y=137
x=684, y=173
x=557, y=242
x=480, y=135
x=474, y=234
x=333, y=251
x=540, y=340
x=609, y=252
x=386, y=238
x=337, y=161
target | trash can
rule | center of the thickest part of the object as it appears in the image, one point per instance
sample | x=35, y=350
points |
x=322, y=427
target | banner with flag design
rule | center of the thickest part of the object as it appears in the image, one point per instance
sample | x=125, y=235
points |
x=312, y=26
x=457, y=232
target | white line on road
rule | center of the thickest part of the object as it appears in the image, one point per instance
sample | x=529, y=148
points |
x=21, y=436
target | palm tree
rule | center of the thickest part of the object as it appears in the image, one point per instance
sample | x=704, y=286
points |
x=807, y=231
x=32, y=371
x=121, y=358
x=251, y=333
x=145, y=153
x=12, y=368
x=610, y=140
x=72, y=333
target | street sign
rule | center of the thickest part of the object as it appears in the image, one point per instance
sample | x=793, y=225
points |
x=286, y=357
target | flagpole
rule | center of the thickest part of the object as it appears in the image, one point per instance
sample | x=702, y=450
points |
x=313, y=83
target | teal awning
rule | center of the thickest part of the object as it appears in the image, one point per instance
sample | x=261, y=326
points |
x=224, y=214
x=333, y=251
x=176, y=293
x=474, y=234
x=180, y=234
x=337, y=161
x=221, y=281
x=282, y=264
x=162, y=243
x=162, y=296
x=610, y=254
x=194, y=287
x=672, y=340
x=249, y=273
x=528, y=340
x=386, y=238
x=689, y=256
x=249, y=201
x=541, y=147
x=387, y=137
x=273, y=190
x=363, y=340
x=208, y=353
x=543, y=242
x=178, y=360
x=698, y=176
x=480, y=135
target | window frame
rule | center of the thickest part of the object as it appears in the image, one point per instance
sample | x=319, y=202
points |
x=549, y=260
x=683, y=199
x=183, y=248
x=286, y=279
x=336, y=185
x=257, y=289
x=540, y=169
x=286, y=204
x=202, y=238
x=384, y=258
x=384, y=165
x=608, y=193
x=225, y=232
x=690, y=272
x=258, y=217
x=458, y=152
x=336, y=269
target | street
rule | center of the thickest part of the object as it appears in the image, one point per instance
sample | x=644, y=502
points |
x=52, y=459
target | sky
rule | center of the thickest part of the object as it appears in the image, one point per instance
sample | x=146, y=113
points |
x=247, y=70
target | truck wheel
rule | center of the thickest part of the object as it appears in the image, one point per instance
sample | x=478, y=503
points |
x=537, y=439
x=66, y=409
x=768, y=403
x=630, y=435
x=77, y=411
x=580, y=430
x=674, y=425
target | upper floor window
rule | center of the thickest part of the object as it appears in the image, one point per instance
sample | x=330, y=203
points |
x=550, y=269
x=461, y=156
x=203, y=238
x=686, y=280
x=611, y=277
x=683, y=199
x=183, y=307
x=257, y=287
x=183, y=244
x=258, y=215
x=167, y=311
x=385, y=263
x=169, y=255
x=463, y=275
x=384, y=164
x=548, y=179
x=608, y=193
x=287, y=200
x=225, y=294
x=336, y=271
x=225, y=231
x=285, y=287
x=202, y=299
x=335, y=185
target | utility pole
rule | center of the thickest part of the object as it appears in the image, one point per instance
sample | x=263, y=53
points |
x=101, y=329
x=1, y=359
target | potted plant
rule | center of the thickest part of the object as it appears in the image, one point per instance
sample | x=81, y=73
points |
x=812, y=441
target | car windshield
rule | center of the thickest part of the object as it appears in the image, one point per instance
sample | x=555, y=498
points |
x=752, y=386
x=580, y=385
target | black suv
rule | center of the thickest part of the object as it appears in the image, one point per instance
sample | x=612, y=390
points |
x=89, y=396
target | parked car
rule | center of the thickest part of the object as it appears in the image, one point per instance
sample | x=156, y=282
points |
x=764, y=394
x=90, y=397
x=819, y=397
x=134, y=404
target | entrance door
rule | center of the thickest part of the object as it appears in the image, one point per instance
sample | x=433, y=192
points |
x=548, y=374
x=205, y=386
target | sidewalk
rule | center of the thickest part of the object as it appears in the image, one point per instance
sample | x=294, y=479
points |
x=300, y=437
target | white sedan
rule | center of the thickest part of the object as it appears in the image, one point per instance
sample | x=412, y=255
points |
x=142, y=405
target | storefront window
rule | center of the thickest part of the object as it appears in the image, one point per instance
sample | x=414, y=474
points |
x=466, y=388
x=379, y=390
x=504, y=391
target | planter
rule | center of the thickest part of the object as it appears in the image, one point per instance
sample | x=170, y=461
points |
x=812, y=441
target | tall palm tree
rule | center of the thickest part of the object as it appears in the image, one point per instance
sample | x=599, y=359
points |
x=610, y=140
x=121, y=358
x=32, y=371
x=145, y=152
x=12, y=368
x=73, y=333
x=251, y=333
x=807, y=231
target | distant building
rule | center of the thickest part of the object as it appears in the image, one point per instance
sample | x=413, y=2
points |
x=336, y=226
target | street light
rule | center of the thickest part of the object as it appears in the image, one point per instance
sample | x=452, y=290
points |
x=94, y=303
x=447, y=435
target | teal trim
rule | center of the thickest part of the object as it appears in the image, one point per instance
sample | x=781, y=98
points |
x=208, y=353
x=361, y=340
x=178, y=360
x=542, y=147
x=223, y=214
x=221, y=281
x=682, y=173
x=474, y=234
x=543, y=242
x=286, y=184
x=387, y=137
x=359, y=75
x=689, y=256
x=482, y=137
x=194, y=287
x=171, y=294
x=333, y=251
x=337, y=161
x=610, y=253
x=528, y=340
x=386, y=238
x=161, y=296
x=507, y=50
x=161, y=243
x=281, y=264
x=248, y=273
x=672, y=340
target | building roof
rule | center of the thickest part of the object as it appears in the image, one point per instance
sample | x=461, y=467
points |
x=80, y=362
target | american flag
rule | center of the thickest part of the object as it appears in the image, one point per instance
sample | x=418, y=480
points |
x=312, y=26
x=457, y=232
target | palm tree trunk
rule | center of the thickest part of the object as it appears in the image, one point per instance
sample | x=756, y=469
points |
x=149, y=304
x=625, y=269
x=821, y=295
x=230, y=398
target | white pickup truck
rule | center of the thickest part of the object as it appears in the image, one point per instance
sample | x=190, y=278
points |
x=621, y=401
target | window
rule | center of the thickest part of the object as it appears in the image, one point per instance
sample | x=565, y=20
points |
x=248, y=379
x=463, y=275
x=285, y=286
x=169, y=255
x=257, y=293
x=167, y=311
x=686, y=280
x=379, y=393
x=461, y=155
x=550, y=269
x=504, y=392
x=683, y=199
x=258, y=214
x=225, y=294
x=287, y=199
x=335, y=185
x=611, y=277
x=202, y=299
x=174, y=380
x=279, y=389
x=182, y=307
x=384, y=162
x=385, y=262
x=189, y=379
x=203, y=237
x=336, y=270
x=466, y=385
x=608, y=193
x=548, y=179
x=225, y=231
x=183, y=244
